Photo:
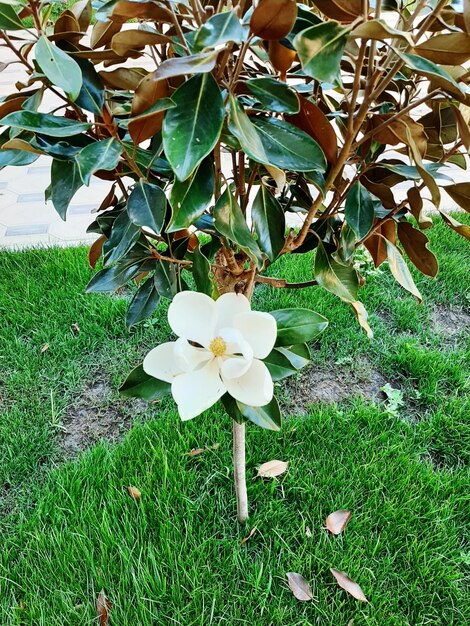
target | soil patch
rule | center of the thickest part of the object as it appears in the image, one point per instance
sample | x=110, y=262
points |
x=98, y=414
x=332, y=383
x=450, y=321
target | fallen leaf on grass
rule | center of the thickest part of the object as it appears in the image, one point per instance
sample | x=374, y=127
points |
x=134, y=492
x=271, y=469
x=336, y=522
x=44, y=348
x=349, y=585
x=308, y=532
x=197, y=451
x=76, y=328
x=252, y=532
x=299, y=587
x=103, y=607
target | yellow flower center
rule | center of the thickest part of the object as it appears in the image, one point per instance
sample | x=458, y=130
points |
x=218, y=346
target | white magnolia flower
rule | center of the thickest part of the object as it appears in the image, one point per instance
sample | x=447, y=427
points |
x=233, y=339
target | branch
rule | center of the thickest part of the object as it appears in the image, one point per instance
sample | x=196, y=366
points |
x=281, y=283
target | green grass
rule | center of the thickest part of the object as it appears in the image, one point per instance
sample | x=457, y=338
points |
x=69, y=529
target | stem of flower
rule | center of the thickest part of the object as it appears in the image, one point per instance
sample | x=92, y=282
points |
x=239, y=471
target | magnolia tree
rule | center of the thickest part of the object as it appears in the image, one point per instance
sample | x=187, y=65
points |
x=233, y=134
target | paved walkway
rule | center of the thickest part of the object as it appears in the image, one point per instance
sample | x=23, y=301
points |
x=27, y=220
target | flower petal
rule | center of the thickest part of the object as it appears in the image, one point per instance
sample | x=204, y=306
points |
x=235, y=343
x=234, y=367
x=254, y=388
x=196, y=391
x=229, y=305
x=259, y=329
x=161, y=362
x=189, y=357
x=193, y=315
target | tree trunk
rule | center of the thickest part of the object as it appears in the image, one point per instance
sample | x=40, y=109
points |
x=239, y=471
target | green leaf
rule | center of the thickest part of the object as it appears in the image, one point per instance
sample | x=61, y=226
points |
x=9, y=20
x=339, y=279
x=320, y=49
x=231, y=406
x=429, y=69
x=147, y=206
x=230, y=222
x=166, y=280
x=274, y=95
x=269, y=222
x=242, y=128
x=296, y=326
x=65, y=182
x=17, y=157
x=283, y=362
x=201, y=272
x=268, y=416
x=59, y=67
x=288, y=147
x=100, y=155
x=91, y=96
x=400, y=270
x=190, y=64
x=124, y=234
x=111, y=278
x=192, y=128
x=141, y=385
x=189, y=199
x=143, y=304
x=359, y=210
x=43, y=123
x=219, y=29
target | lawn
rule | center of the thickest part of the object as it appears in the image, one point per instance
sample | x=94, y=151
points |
x=69, y=529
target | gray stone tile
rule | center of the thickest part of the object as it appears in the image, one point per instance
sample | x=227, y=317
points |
x=27, y=229
x=32, y=197
x=40, y=169
x=3, y=185
x=81, y=209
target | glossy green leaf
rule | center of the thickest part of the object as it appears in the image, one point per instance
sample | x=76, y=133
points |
x=296, y=326
x=219, y=29
x=190, y=64
x=91, y=96
x=242, y=128
x=189, y=199
x=139, y=384
x=60, y=68
x=201, y=272
x=192, y=128
x=429, y=69
x=124, y=234
x=17, y=157
x=320, y=49
x=269, y=222
x=9, y=20
x=359, y=210
x=65, y=182
x=166, y=280
x=230, y=222
x=101, y=155
x=339, y=279
x=274, y=95
x=143, y=304
x=268, y=416
x=283, y=362
x=147, y=206
x=231, y=406
x=288, y=147
x=400, y=270
x=43, y=123
x=111, y=278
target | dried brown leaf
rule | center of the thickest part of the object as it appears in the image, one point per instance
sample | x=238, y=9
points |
x=103, y=607
x=336, y=522
x=272, y=469
x=308, y=532
x=44, y=348
x=349, y=585
x=76, y=328
x=197, y=451
x=299, y=587
x=252, y=532
x=134, y=493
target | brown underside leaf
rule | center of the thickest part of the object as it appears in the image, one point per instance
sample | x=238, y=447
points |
x=281, y=57
x=94, y=252
x=360, y=312
x=103, y=32
x=146, y=94
x=131, y=40
x=416, y=208
x=396, y=132
x=126, y=9
x=273, y=19
x=446, y=48
x=414, y=243
x=463, y=124
x=123, y=77
x=299, y=587
x=336, y=522
x=349, y=585
x=461, y=229
x=11, y=105
x=315, y=123
x=375, y=242
x=103, y=607
x=272, y=469
x=341, y=10
x=460, y=193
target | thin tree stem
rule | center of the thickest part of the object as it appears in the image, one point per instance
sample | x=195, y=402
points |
x=239, y=471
